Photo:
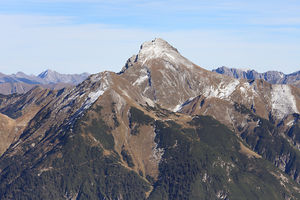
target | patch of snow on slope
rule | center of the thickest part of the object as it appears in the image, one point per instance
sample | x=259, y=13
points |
x=159, y=48
x=94, y=95
x=223, y=90
x=143, y=77
x=82, y=98
x=157, y=152
x=247, y=90
x=169, y=66
x=140, y=80
x=283, y=102
x=290, y=123
x=181, y=105
x=177, y=108
x=243, y=90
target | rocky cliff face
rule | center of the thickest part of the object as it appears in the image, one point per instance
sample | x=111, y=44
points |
x=165, y=73
x=162, y=128
x=273, y=77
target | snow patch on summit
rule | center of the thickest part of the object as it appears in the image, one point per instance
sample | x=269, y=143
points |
x=159, y=48
x=283, y=101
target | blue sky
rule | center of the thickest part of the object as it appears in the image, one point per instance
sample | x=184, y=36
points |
x=74, y=36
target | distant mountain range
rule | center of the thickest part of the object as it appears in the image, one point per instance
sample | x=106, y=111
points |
x=21, y=82
x=273, y=77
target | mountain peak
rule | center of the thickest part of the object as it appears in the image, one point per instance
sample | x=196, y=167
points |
x=46, y=73
x=157, y=44
x=51, y=76
x=157, y=48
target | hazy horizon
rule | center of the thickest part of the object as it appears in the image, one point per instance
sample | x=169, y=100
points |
x=43, y=70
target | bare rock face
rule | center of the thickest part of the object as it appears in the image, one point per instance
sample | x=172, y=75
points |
x=162, y=128
x=160, y=72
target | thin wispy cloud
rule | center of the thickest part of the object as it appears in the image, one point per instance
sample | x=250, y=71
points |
x=100, y=35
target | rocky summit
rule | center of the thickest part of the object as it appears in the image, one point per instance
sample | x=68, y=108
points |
x=161, y=128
